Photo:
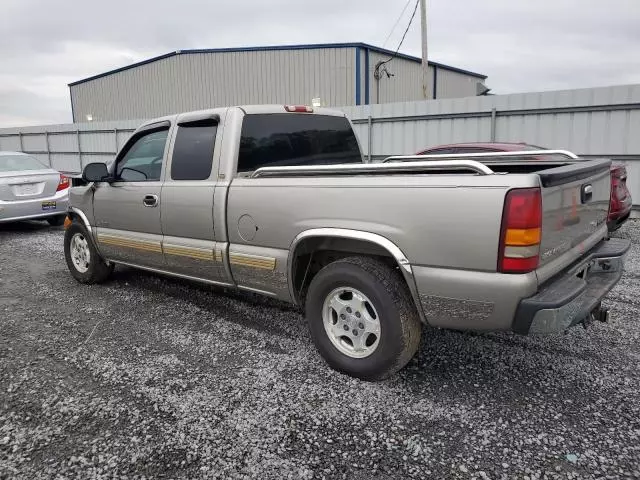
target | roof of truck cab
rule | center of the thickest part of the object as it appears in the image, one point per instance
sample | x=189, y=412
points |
x=247, y=109
x=280, y=108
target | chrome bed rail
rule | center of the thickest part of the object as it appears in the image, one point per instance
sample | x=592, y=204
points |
x=523, y=153
x=363, y=168
x=466, y=162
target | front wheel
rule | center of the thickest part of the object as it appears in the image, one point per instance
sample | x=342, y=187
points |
x=83, y=260
x=362, y=318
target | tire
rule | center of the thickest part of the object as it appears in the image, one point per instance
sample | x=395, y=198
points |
x=97, y=270
x=391, y=304
x=56, y=221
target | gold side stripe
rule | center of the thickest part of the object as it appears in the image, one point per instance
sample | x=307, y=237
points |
x=240, y=259
x=188, y=254
x=145, y=249
x=106, y=238
x=191, y=253
x=133, y=244
x=130, y=243
x=265, y=263
x=178, y=250
x=188, y=249
x=249, y=260
x=253, y=263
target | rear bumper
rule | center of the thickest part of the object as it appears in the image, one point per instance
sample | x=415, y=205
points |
x=33, y=208
x=569, y=298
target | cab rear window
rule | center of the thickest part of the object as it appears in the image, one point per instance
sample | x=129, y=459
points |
x=288, y=139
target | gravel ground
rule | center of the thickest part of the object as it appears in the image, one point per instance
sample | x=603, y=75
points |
x=146, y=377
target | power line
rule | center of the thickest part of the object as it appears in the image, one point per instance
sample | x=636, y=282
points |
x=396, y=24
x=379, y=64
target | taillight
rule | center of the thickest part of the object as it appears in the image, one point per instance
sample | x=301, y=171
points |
x=63, y=183
x=298, y=108
x=619, y=191
x=521, y=231
x=614, y=204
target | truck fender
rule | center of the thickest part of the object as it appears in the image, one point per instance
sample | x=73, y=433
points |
x=394, y=251
x=76, y=212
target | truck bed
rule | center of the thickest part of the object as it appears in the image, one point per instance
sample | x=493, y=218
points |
x=480, y=183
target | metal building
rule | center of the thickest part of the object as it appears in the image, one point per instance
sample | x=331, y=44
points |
x=336, y=74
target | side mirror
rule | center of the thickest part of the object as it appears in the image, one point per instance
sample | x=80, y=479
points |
x=95, y=172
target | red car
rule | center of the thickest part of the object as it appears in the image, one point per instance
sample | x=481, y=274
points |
x=619, y=205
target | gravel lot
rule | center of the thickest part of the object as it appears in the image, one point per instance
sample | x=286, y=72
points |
x=146, y=377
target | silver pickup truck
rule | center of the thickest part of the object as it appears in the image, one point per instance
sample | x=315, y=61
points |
x=277, y=200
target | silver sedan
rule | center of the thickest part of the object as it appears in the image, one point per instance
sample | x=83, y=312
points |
x=30, y=189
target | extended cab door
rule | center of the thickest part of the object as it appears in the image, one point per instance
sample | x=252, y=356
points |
x=189, y=243
x=127, y=210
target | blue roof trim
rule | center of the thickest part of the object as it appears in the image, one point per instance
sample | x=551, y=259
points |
x=435, y=82
x=278, y=47
x=366, y=77
x=358, y=75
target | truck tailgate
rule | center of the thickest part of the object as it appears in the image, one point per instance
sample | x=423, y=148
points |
x=575, y=204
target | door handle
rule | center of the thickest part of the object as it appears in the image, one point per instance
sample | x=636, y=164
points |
x=150, y=200
x=587, y=193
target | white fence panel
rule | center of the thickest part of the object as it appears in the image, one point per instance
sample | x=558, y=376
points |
x=590, y=122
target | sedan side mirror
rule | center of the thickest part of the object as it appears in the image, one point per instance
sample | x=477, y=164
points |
x=95, y=172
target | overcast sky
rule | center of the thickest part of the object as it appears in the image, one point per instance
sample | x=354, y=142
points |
x=522, y=45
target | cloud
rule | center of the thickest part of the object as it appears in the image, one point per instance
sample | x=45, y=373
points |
x=520, y=45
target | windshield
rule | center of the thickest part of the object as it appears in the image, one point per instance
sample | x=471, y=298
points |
x=17, y=163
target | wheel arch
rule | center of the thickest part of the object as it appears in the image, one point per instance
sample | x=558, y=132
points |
x=75, y=213
x=347, y=241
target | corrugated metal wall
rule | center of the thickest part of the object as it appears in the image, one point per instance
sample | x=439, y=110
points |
x=593, y=121
x=198, y=80
x=404, y=85
x=203, y=80
x=590, y=122
x=449, y=84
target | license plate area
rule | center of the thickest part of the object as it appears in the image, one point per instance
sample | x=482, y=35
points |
x=49, y=205
x=600, y=265
x=27, y=189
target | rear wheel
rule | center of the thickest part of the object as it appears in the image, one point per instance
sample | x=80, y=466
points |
x=83, y=260
x=56, y=221
x=362, y=318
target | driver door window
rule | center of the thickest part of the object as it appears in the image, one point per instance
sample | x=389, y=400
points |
x=143, y=161
x=127, y=210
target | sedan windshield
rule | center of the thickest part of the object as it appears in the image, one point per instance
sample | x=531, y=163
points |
x=17, y=163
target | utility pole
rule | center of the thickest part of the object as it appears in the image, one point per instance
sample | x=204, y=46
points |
x=425, y=63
